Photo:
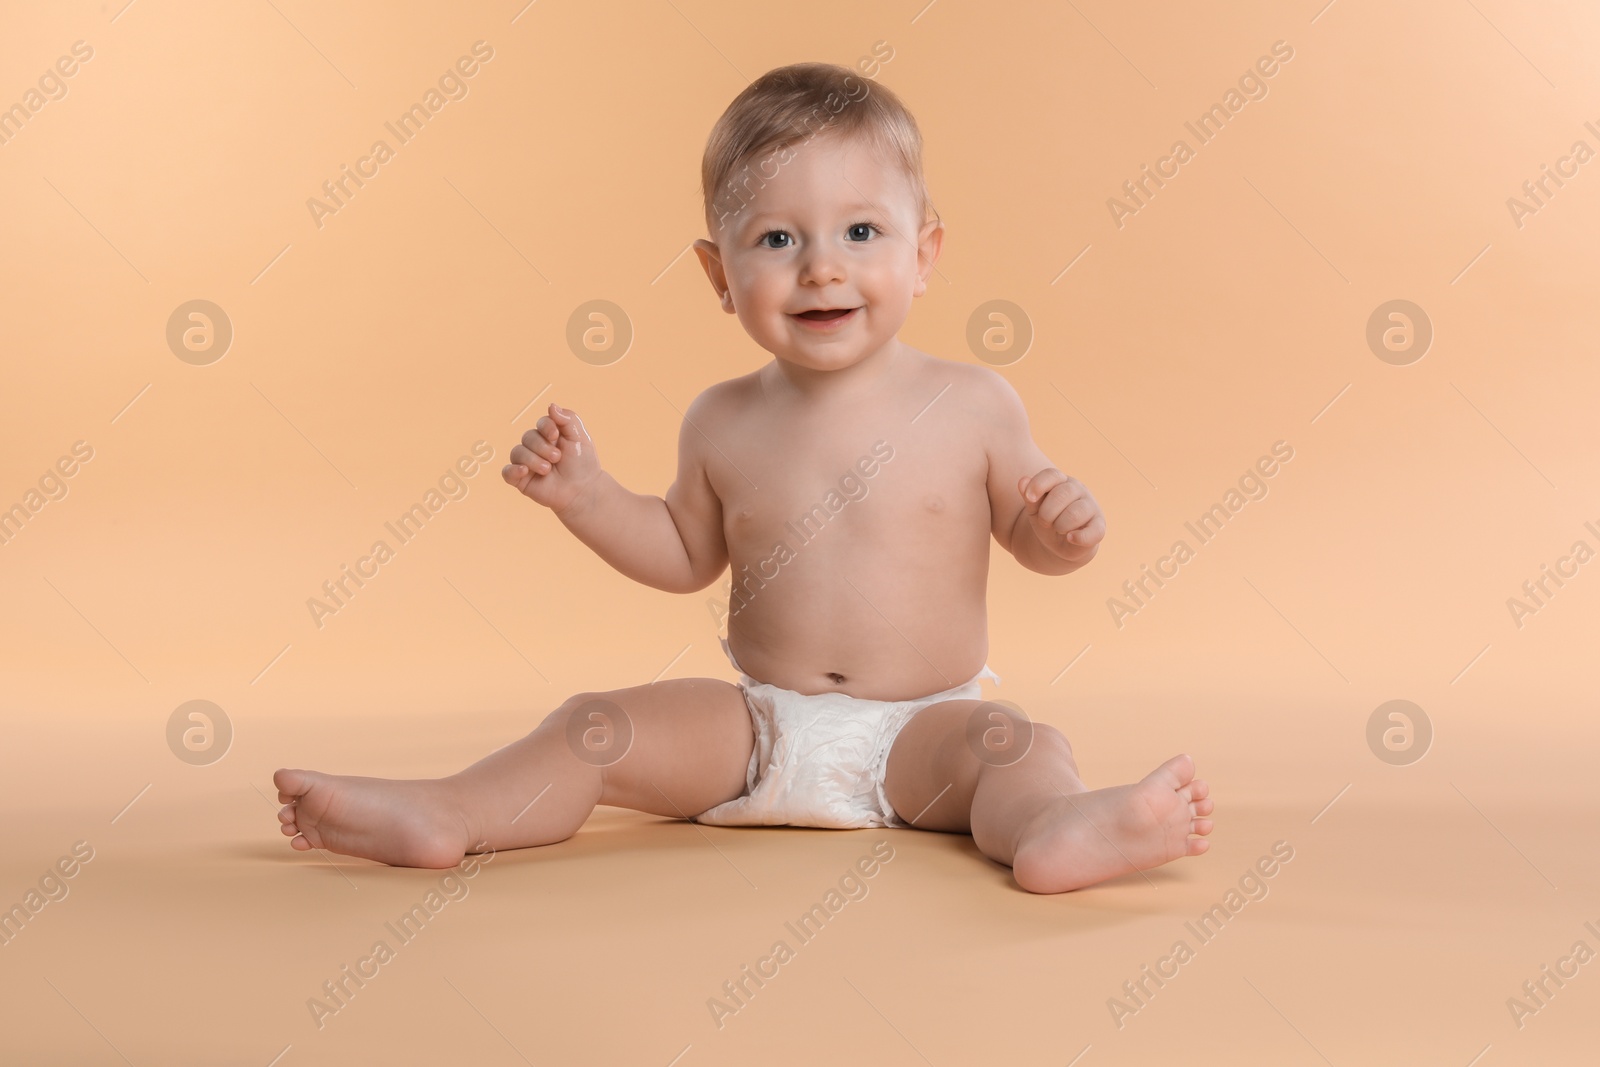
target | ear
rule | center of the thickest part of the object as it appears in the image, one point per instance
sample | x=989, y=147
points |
x=711, y=260
x=929, y=242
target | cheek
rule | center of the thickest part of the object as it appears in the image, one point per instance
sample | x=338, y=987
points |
x=890, y=284
x=766, y=290
x=759, y=299
x=895, y=270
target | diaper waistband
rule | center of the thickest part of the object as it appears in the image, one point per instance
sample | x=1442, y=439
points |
x=728, y=651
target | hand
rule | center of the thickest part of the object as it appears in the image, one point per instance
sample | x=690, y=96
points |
x=555, y=462
x=1065, y=517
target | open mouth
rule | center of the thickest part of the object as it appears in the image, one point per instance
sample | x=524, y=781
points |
x=825, y=316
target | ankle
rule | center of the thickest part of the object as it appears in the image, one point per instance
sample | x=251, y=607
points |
x=453, y=814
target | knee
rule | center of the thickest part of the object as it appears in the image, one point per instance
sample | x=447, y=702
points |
x=1051, y=735
x=1051, y=741
x=595, y=728
x=1002, y=735
x=558, y=719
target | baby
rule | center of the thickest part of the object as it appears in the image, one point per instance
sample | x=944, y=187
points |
x=852, y=484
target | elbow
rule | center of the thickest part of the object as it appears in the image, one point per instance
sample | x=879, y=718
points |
x=696, y=578
x=709, y=568
x=683, y=586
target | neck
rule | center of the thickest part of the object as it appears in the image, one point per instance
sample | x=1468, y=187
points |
x=841, y=384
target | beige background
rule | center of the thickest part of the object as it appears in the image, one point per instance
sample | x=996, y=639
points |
x=425, y=315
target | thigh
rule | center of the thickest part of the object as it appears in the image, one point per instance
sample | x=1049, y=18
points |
x=676, y=747
x=932, y=771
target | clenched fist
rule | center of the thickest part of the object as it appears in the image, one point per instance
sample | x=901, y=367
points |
x=555, y=462
x=1065, y=517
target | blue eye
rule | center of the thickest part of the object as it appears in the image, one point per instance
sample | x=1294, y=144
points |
x=851, y=230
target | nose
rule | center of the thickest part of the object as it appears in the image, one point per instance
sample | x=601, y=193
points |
x=821, y=265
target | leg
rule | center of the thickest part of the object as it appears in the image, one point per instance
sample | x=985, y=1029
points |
x=1034, y=813
x=676, y=748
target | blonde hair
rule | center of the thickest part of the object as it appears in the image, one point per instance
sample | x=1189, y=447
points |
x=796, y=103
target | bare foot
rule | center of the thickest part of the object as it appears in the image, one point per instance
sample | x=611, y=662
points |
x=401, y=823
x=1085, y=838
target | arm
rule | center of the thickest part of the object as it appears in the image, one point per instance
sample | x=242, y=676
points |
x=674, y=544
x=1047, y=520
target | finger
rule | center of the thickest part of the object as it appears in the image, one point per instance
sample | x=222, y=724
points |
x=575, y=417
x=571, y=427
x=543, y=430
x=1035, y=489
x=568, y=422
x=1030, y=506
x=1089, y=535
x=549, y=450
x=516, y=476
x=532, y=460
x=1060, y=502
x=1075, y=514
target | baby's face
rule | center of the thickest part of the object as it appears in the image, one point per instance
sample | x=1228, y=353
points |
x=836, y=228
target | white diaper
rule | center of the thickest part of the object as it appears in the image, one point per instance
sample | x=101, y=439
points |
x=820, y=760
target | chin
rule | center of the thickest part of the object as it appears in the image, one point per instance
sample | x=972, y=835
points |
x=810, y=361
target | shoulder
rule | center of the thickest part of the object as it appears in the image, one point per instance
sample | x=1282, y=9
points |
x=724, y=400
x=719, y=409
x=978, y=389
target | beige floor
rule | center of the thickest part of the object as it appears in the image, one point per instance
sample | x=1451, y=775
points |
x=1413, y=907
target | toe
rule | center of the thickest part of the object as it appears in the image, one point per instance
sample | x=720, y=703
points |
x=290, y=830
x=1199, y=789
x=290, y=781
x=1173, y=774
x=1203, y=807
x=1198, y=845
x=301, y=844
x=286, y=813
x=1200, y=826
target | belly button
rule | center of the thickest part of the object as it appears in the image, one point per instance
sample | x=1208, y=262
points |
x=838, y=679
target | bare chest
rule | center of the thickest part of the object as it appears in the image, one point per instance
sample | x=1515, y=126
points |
x=867, y=495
